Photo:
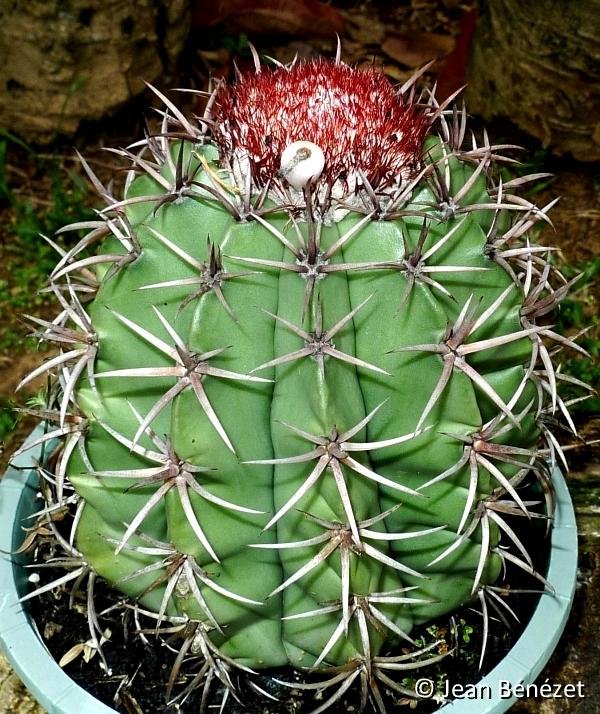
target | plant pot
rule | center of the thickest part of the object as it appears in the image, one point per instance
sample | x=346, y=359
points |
x=19, y=638
x=58, y=694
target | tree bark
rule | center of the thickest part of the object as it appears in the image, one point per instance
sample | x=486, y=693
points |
x=538, y=63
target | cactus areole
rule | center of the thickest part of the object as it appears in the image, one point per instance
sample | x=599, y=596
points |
x=301, y=377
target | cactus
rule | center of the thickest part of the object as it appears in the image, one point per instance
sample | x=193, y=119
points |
x=301, y=376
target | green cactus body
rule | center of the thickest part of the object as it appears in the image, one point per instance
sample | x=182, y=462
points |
x=287, y=412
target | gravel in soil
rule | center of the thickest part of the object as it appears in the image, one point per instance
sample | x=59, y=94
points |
x=14, y=698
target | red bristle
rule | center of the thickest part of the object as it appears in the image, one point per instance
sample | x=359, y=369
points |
x=356, y=117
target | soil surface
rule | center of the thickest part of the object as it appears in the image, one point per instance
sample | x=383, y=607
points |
x=131, y=688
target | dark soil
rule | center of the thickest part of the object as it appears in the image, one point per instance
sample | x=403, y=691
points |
x=130, y=685
x=140, y=670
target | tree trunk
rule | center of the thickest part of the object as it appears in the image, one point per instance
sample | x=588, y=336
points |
x=537, y=63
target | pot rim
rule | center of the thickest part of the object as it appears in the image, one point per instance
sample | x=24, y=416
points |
x=59, y=694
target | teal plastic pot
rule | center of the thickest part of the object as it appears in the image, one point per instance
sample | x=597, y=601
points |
x=58, y=694
x=530, y=653
x=19, y=638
